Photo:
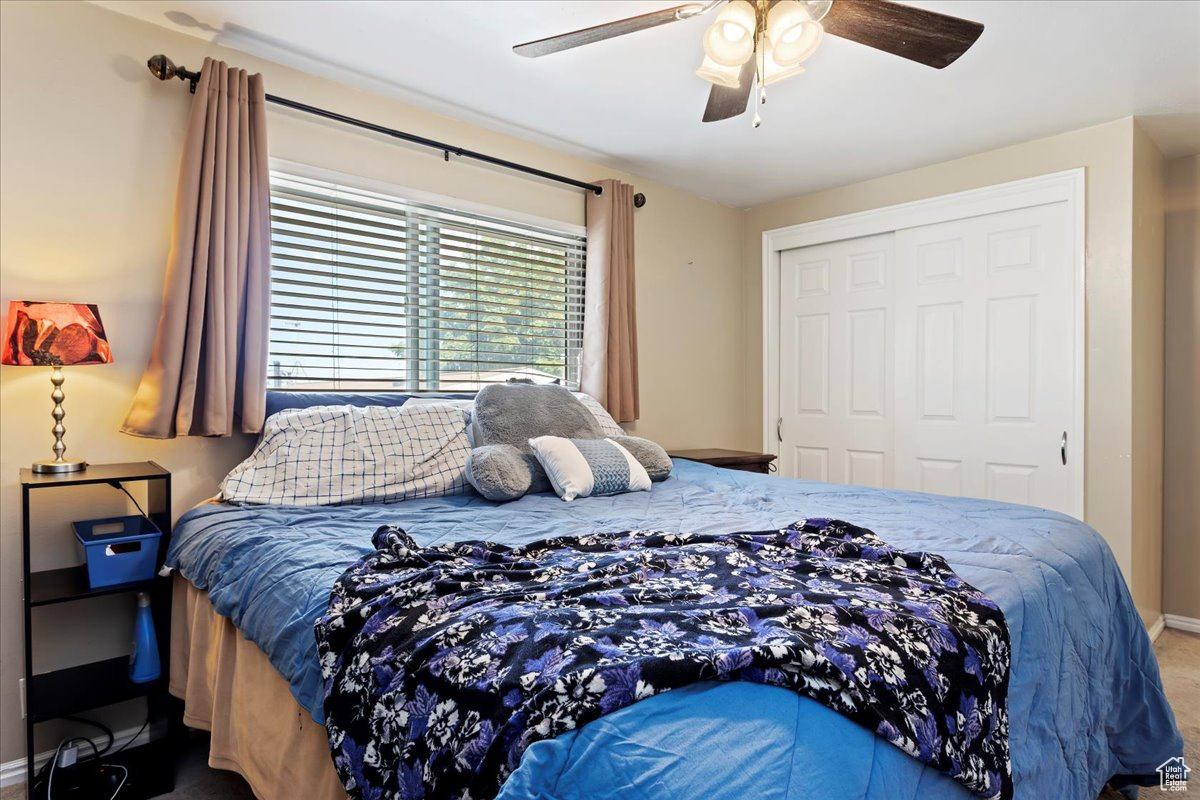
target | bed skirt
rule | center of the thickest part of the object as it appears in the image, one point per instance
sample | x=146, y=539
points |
x=229, y=688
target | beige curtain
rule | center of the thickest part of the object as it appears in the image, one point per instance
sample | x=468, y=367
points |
x=610, y=361
x=208, y=367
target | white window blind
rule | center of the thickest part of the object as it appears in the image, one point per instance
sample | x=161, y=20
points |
x=377, y=293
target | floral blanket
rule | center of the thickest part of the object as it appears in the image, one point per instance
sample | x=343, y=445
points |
x=443, y=664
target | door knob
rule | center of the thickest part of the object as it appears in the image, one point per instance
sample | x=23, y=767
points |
x=1063, y=448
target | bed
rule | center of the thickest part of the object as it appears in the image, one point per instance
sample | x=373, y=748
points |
x=1085, y=700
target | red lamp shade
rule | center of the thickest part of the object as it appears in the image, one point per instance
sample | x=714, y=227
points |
x=54, y=335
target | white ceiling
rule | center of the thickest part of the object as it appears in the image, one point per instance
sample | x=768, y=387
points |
x=1041, y=67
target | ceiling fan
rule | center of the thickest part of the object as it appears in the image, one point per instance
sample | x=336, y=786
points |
x=763, y=41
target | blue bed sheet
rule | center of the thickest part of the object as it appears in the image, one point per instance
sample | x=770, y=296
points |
x=1085, y=699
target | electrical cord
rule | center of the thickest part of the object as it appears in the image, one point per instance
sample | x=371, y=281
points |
x=107, y=731
x=121, y=486
x=53, y=766
x=96, y=753
x=49, y=769
x=50, y=765
x=121, y=785
x=133, y=738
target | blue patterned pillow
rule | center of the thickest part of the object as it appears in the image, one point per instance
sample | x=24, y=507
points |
x=587, y=467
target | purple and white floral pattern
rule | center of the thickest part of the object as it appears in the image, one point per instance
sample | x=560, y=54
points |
x=443, y=664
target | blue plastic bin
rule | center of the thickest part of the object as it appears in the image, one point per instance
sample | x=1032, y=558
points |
x=118, y=549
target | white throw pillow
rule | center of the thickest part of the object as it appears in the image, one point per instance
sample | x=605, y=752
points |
x=329, y=455
x=608, y=425
x=589, y=467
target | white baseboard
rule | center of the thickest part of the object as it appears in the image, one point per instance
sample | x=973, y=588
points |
x=12, y=773
x=1179, y=623
x=1157, y=628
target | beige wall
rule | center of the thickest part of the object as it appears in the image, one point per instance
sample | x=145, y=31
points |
x=1107, y=154
x=1181, y=451
x=89, y=150
x=1146, y=532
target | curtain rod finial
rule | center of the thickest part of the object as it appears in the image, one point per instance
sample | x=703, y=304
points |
x=161, y=67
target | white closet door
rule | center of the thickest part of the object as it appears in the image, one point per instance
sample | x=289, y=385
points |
x=985, y=357
x=836, y=361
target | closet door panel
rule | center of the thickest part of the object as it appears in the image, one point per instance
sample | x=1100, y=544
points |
x=836, y=361
x=985, y=357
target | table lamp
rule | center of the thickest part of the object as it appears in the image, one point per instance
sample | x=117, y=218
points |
x=55, y=335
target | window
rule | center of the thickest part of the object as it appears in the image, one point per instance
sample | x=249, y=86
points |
x=376, y=293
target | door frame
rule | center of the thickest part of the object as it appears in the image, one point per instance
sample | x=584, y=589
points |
x=1067, y=186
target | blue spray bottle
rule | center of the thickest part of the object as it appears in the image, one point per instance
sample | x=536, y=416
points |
x=143, y=662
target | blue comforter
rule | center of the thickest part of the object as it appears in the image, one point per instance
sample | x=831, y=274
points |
x=1085, y=700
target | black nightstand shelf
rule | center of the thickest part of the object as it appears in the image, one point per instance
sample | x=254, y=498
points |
x=65, y=692
x=71, y=583
x=78, y=689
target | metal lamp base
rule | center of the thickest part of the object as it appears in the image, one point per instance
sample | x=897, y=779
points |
x=54, y=467
x=58, y=464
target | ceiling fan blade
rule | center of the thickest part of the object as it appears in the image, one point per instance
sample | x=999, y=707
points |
x=926, y=37
x=608, y=30
x=726, y=103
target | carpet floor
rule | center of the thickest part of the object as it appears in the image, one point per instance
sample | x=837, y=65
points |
x=1178, y=658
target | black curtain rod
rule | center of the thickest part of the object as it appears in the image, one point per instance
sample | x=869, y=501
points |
x=164, y=69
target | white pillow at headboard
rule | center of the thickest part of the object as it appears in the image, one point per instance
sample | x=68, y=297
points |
x=608, y=425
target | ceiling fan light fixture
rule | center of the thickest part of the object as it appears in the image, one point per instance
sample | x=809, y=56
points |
x=786, y=20
x=793, y=29
x=792, y=49
x=729, y=41
x=719, y=74
x=775, y=71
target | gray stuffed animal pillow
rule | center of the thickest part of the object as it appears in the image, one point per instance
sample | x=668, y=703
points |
x=649, y=454
x=506, y=416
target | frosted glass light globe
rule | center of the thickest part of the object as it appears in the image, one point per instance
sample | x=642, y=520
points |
x=793, y=32
x=719, y=74
x=729, y=41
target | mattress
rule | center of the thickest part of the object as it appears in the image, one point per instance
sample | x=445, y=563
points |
x=1085, y=700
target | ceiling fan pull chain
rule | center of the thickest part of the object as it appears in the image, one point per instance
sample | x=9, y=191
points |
x=760, y=58
x=762, y=99
x=762, y=64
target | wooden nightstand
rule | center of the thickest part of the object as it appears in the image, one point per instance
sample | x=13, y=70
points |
x=66, y=692
x=729, y=459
